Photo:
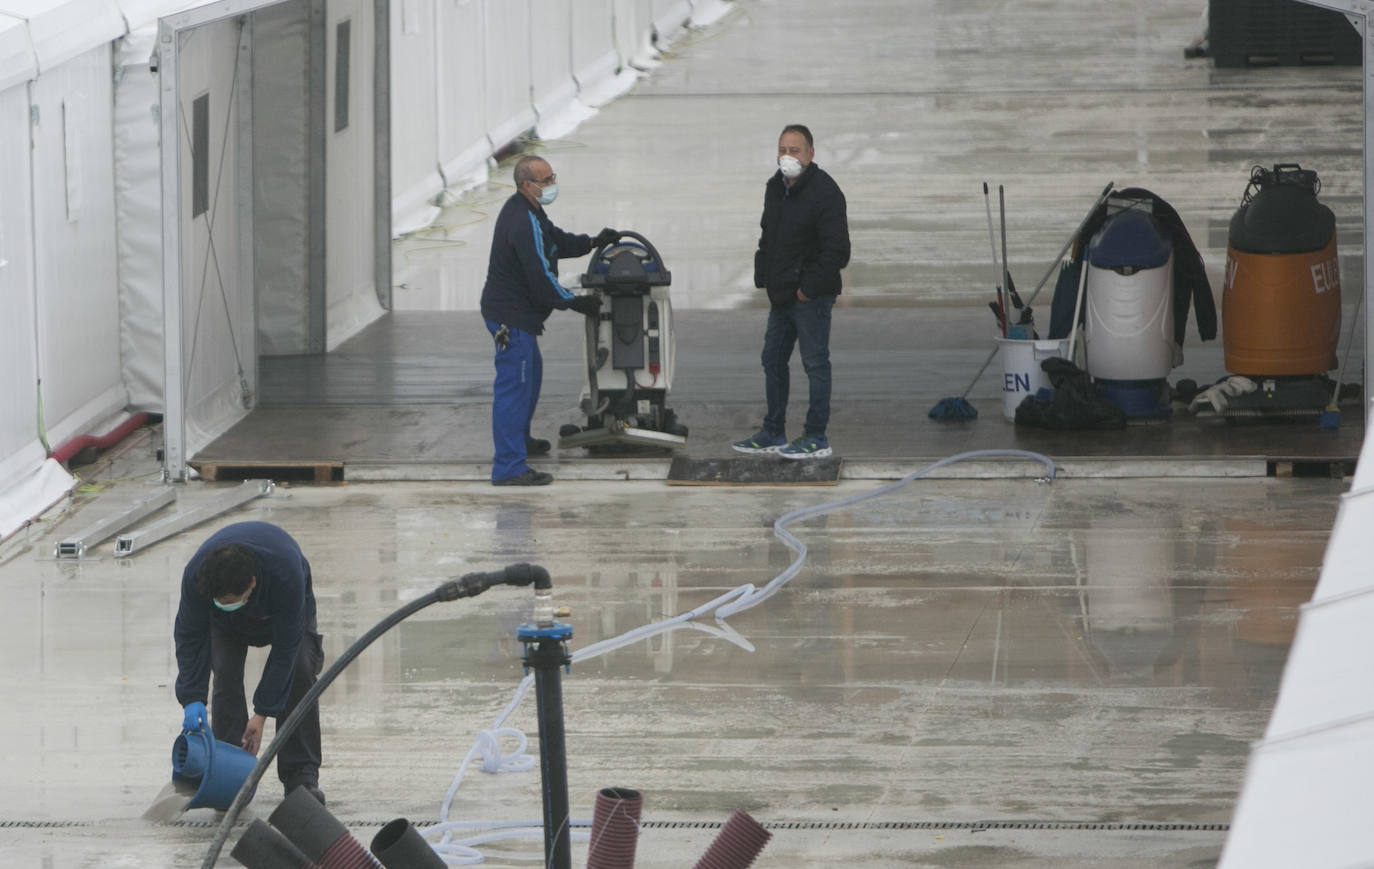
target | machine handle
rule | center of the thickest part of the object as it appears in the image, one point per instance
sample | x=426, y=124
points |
x=628, y=233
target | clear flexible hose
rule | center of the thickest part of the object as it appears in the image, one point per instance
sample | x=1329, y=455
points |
x=737, y=600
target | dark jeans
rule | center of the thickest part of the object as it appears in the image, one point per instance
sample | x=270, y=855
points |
x=808, y=324
x=298, y=762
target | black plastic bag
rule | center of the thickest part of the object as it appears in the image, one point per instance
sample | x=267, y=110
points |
x=1075, y=404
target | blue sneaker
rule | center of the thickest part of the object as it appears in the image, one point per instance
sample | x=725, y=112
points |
x=806, y=447
x=760, y=444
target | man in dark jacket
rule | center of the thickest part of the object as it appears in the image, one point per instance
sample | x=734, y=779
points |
x=522, y=289
x=803, y=246
x=249, y=585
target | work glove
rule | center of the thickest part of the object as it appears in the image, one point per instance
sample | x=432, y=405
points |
x=589, y=305
x=1219, y=394
x=195, y=716
x=605, y=237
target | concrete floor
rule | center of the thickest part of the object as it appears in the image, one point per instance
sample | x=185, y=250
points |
x=966, y=673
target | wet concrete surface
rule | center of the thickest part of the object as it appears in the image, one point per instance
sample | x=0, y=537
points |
x=964, y=673
x=411, y=398
x=913, y=109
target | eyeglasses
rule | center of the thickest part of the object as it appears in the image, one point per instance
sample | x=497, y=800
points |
x=546, y=181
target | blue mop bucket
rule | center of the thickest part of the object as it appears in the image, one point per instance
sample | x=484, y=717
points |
x=220, y=768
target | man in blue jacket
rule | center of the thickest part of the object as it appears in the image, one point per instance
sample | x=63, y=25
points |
x=249, y=585
x=522, y=289
x=802, y=248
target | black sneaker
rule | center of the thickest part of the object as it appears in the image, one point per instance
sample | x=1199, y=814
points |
x=537, y=446
x=529, y=478
x=312, y=789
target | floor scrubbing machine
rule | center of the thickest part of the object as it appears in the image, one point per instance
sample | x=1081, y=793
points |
x=1281, y=307
x=629, y=353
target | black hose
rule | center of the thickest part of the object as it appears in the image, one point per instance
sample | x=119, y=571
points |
x=470, y=585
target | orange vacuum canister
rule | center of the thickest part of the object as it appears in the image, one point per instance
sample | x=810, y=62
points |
x=1281, y=305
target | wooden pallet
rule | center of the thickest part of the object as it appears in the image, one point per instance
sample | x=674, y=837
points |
x=277, y=470
x=1335, y=469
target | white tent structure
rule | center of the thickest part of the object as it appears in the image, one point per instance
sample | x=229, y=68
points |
x=193, y=184
x=275, y=199
x=468, y=79
x=246, y=180
x=59, y=342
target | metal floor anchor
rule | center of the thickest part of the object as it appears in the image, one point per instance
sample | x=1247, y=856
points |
x=246, y=491
x=76, y=545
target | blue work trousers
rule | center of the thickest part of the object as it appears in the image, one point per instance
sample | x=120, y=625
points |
x=807, y=324
x=519, y=371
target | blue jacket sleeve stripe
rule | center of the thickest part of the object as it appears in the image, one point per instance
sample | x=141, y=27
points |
x=539, y=249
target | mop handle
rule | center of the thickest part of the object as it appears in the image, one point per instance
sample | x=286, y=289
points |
x=1101, y=198
x=1077, y=305
x=986, y=363
x=992, y=237
x=1005, y=295
x=1340, y=375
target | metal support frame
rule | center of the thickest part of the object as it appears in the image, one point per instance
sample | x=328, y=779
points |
x=381, y=151
x=1359, y=12
x=76, y=545
x=248, y=490
x=317, y=177
x=174, y=391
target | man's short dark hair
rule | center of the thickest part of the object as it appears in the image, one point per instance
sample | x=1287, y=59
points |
x=799, y=128
x=226, y=571
x=523, y=172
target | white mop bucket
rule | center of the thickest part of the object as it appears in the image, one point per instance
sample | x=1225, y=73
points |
x=1021, y=373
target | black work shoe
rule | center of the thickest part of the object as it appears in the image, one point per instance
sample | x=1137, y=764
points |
x=529, y=478
x=312, y=789
x=537, y=446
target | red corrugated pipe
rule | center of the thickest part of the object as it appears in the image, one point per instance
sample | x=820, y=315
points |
x=737, y=845
x=615, y=829
x=65, y=452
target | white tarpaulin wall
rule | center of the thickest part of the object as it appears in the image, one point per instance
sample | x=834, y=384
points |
x=20, y=448
x=59, y=343
x=138, y=211
x=273, y=168
x=209, y=323
x=469, y=77
x=138, y=202
x=357, y=180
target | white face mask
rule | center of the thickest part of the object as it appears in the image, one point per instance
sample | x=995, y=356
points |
x=789, y=166
x=548, y=194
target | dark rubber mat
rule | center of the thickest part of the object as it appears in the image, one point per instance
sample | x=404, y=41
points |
x=754, y=471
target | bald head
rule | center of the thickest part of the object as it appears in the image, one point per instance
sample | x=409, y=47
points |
x=530, y=168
